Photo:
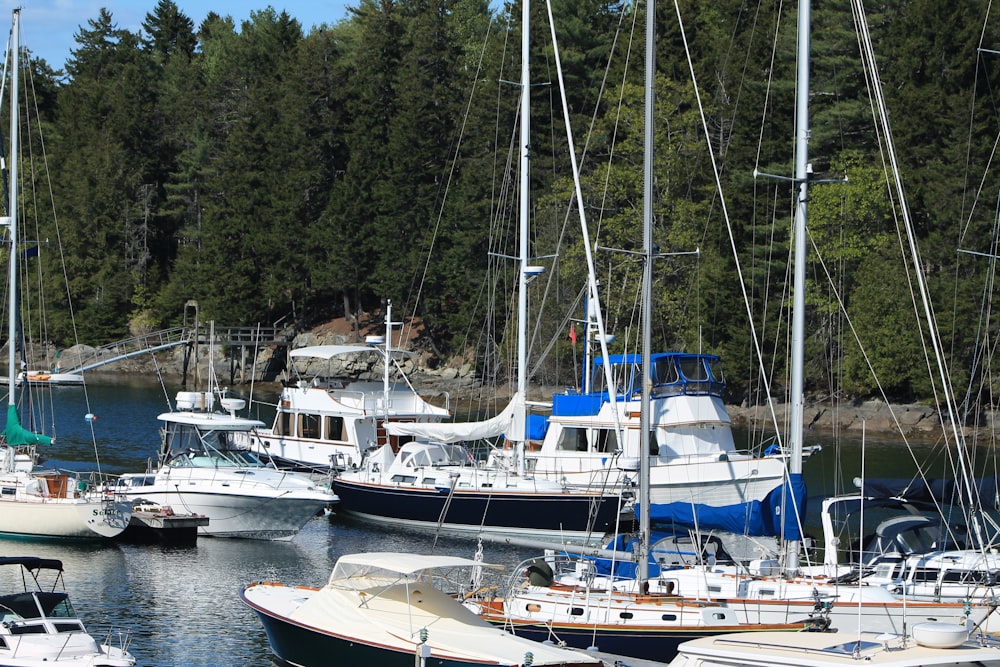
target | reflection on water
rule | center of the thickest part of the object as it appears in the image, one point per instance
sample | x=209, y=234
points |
x=182, y=603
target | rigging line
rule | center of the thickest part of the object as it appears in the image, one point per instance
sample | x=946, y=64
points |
x=558, y=335
x=869, y=59
x=447, y=187
x=588, y=251
x=972, y=116
x=985, y=313
x=868, y=362
x=725, y=212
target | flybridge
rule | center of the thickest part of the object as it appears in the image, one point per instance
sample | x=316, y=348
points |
x=673, y=374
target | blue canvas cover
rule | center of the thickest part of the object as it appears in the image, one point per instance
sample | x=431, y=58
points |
x=758, y=517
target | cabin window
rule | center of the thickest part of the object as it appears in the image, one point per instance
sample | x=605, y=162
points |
x=966, y=576
x=714, y=588
x=607, y=440
x=767, y=592
x=665, y=371
x=334, y=429
x=68, y=627
x=308, y=426
x=8, y=491
x=572, y=440
x=718, y=616
x=404, y=479
x=34, y=629
x=627, y=615
x=669, y=617
x=627, y=378
x=926, y=574
x=281, y=424
x=694, y=369
x=429, y=481
x=576, y=611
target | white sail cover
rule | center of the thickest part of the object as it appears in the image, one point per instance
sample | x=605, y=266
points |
x=509, y=423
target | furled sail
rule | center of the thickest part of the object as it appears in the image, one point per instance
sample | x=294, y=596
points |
x=509, y=423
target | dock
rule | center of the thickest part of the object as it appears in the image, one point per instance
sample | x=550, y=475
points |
x=160, y=525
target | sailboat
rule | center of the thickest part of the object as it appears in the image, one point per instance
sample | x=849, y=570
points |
x=432, y=483
x=766, y=591
x=34, y=502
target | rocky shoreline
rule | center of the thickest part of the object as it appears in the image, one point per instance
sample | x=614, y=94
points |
x=456, y=381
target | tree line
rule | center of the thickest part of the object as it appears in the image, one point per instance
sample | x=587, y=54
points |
x=283, y=175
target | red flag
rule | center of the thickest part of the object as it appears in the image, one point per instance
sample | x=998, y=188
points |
x=572, y=332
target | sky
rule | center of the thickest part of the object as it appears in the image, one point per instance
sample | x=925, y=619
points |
x=49, y=27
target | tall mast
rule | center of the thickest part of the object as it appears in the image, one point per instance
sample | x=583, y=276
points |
x=799, y=278
x=522, y=287
x=12, y=211
x=647, y=289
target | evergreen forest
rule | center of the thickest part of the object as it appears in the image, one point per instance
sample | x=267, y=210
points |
x=286, y=174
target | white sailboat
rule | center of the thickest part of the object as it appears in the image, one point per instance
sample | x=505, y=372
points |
x=33, y=502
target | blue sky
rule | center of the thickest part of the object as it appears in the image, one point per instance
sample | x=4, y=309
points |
x=48, y=27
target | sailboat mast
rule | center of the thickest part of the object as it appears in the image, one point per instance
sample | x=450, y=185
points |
x=799, y=277
x=522, y=287
x=12, y=220
x=647, y=291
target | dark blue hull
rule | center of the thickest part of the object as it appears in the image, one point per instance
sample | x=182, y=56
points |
x=305, y=646
x=298, y=645
x=512, y=513
x=647, y=643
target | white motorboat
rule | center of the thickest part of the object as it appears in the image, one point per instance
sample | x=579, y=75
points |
x=202, y=470
x=389, y=609
x=38, y=625
x=329, y=423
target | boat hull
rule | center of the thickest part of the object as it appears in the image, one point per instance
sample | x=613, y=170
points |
x=644, y=642
x=520, y=513
x=381, y=626
x=63, y=518
x=308, y=647
x=276, y=516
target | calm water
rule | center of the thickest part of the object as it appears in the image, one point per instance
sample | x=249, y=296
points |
x=182, y=602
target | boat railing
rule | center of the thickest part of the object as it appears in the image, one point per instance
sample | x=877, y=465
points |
x=118, y=638
x=62, y=483
x=369, y=403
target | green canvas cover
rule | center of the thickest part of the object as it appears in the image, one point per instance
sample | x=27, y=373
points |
x=18, y=435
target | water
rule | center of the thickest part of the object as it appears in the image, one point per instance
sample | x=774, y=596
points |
x=182, y=602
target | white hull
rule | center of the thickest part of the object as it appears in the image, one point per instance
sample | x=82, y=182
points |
x=273, y=516
x=695, y=479
x=63, y=518
x=761, y=598
x=50, y=505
